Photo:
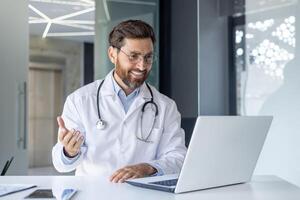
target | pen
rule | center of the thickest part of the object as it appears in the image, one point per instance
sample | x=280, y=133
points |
x=7, y=164
x=3, y=170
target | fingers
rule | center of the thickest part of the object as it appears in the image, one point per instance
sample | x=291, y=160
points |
x=67, y=137
x=62, y=133
x=126, y=173
x=72, y=142
x=76, y=141
x=61, y=123
x=135, y=176
x=120, y=177
x=71, y=139
x=79, y=142
x=74, y=138
x=127, y=176
x=62, y=128
x=115, y=174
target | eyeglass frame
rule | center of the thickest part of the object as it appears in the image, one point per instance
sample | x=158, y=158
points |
x=140, y=56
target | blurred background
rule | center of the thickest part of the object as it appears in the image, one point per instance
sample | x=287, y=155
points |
x=216, y=57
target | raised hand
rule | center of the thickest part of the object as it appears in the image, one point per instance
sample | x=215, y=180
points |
x=71, y=139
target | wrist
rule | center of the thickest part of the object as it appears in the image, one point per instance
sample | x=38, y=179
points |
x=150, y=169
x=69, y=155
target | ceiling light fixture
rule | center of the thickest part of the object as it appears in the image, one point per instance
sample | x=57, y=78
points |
x=74, y=14
x=47, y=29
x=38, y=12
x=85, y=3
x=70, y=34
x=106, y=10
x=75, y=25
x=134, y=2
x=79, y=22
x=63, y=20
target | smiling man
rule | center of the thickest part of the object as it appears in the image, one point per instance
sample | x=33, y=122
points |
x=121, y=127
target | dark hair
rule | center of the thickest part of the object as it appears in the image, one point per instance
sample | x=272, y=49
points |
x=132, y=29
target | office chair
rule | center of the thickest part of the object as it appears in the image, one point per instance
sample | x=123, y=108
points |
x=188, y=123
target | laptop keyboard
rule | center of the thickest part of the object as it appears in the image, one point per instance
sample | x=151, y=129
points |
x=171, y=182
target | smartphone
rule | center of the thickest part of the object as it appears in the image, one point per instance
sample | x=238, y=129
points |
x=47, y=194
x=41, y=194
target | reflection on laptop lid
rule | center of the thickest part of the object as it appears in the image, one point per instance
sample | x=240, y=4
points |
x=223, y=151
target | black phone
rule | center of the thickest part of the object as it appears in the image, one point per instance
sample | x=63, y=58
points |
x=41, y=194
x=65, y=194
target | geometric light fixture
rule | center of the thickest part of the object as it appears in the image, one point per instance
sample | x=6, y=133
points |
x=270, y=58
x=286, y=31
x=238, y=36
x=75, y=17
x=65, y=20
x=261, y=25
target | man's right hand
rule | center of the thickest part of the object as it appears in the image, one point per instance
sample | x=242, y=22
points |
x=71, y=139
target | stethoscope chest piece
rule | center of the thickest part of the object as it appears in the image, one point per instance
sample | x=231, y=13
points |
x=100, y=125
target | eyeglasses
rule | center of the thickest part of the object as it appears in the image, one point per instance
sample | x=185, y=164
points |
x=137, y=57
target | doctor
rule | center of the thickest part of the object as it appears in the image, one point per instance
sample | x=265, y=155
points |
x=121, y=127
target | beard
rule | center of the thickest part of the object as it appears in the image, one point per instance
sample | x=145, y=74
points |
x=133, y=78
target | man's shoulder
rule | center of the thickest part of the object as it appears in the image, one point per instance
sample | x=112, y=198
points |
x=88, y=90
x=160, y=96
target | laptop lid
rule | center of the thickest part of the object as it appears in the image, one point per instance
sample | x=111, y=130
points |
x=223, y=150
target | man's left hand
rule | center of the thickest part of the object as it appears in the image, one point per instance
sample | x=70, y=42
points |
x=133, y=171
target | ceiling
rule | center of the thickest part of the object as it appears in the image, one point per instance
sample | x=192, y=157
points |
x=75, y=19
x=68, y=19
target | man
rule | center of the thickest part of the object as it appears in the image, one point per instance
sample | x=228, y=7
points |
x=120, y=126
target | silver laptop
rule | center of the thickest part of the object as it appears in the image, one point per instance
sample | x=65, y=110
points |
x=223, y=151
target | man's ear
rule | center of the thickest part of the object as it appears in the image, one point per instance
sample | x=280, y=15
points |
x=112, y=54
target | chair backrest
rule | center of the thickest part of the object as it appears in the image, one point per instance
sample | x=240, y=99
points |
x=188, y=123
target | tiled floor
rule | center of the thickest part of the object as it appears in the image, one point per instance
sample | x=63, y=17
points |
x=47, y=171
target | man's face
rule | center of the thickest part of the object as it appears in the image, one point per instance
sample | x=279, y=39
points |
x=130, y=67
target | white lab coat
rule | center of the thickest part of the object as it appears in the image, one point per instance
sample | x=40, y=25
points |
x=105, y=151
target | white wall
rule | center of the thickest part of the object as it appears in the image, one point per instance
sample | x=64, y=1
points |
x=281, y=153
x=58, y=72
x=66, y=53
x=13, y=73
x=262, y=92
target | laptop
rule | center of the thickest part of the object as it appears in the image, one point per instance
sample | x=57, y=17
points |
x=223, y=151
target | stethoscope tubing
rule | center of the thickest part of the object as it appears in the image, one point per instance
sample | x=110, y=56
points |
x=101, y=123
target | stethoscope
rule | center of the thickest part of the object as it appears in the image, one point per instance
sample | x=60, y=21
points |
x=101, y=124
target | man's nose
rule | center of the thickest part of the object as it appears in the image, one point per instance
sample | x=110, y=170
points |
x=141, y=64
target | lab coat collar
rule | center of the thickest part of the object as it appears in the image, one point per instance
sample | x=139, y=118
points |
x=107, y=88
x=144, y=92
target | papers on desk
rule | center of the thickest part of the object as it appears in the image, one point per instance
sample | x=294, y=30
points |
x=6, y=189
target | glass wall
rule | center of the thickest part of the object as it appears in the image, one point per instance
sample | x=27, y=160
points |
x=266, y=69
x=111, y=12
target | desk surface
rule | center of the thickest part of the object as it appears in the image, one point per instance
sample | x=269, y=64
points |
x=260, y=188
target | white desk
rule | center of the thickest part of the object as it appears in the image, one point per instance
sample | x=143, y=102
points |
x=260, y=188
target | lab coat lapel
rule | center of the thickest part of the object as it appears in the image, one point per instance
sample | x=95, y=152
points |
x=107, y=87
x=107, y=92
x=144, y=95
